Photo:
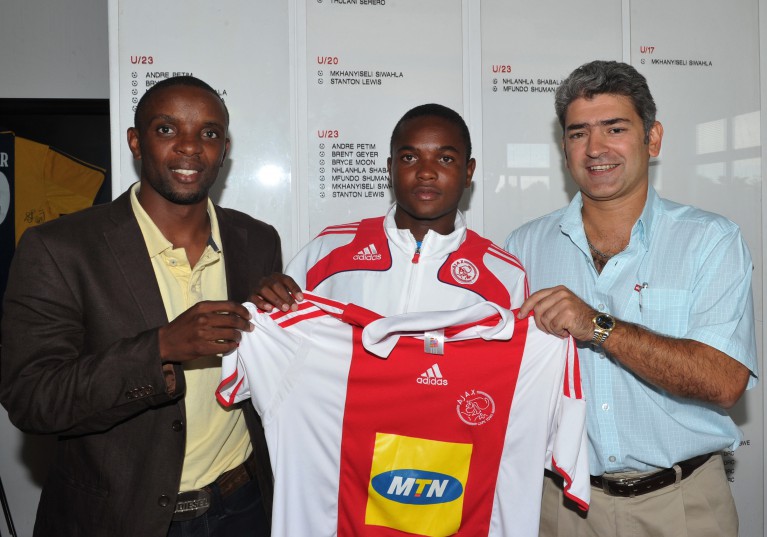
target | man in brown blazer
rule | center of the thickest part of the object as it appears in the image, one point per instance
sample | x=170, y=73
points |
x=114, y=322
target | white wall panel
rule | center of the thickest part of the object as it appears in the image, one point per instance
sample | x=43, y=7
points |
x=527, y=49
x=366, y=65
x=701, y=59
x=240, y=48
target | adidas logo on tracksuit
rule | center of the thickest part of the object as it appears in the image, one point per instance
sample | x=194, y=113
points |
x=369, y=253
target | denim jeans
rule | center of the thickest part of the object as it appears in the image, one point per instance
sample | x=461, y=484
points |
x=242, y=513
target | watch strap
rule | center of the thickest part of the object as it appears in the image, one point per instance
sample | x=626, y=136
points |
x=600, y=335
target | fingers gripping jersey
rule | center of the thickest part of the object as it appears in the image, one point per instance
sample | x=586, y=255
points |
x=374, y=264
x=372, y=434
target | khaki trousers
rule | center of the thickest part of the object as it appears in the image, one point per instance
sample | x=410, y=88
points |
x=699, y=506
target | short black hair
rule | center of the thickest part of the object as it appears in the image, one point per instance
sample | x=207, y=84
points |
x=607, y=77
x=185, y=80
x=434, y=110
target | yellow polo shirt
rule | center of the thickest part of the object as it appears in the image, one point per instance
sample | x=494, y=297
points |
x=217, y=440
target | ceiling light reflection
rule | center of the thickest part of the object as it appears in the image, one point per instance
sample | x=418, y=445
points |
x=271, y=175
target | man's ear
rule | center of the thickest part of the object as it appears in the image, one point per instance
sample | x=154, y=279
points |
x=655, y=139
x=470, y=167
x=226, y=152
x=564, y=148
x=133, y=143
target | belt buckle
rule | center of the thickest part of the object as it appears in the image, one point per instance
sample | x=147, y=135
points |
x=191, y=504
x=628, y=482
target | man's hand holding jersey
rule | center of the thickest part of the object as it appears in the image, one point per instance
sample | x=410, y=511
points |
x=277, y=291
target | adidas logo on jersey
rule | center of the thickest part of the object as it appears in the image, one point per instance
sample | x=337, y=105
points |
x=369, y=253
x=432, y=377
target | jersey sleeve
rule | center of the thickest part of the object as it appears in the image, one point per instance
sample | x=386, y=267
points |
x=511, y=272
x=569, y=442
x=260, y=367
x=327, y=241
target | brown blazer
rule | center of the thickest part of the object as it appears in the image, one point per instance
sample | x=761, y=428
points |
x=80, y=359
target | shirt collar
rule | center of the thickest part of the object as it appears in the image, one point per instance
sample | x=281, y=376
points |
x=571, y=223
x=644, y=225
x=156, y=243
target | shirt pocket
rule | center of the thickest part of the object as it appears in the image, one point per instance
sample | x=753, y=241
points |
x=665, y=311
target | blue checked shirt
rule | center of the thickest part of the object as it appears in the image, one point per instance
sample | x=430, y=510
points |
x=686, y=273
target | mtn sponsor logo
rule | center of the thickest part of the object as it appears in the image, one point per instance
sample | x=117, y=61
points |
x=417, y=487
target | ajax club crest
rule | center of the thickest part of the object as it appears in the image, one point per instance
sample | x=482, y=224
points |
x=475, y=407
x=464, y=271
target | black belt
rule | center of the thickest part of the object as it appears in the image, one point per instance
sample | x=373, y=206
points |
x=194, y=503
x=636, y=486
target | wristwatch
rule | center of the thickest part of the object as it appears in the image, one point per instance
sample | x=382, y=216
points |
x=603, y=325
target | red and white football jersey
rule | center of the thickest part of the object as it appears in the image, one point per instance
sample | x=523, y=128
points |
x=377, y=265
x=373, y=432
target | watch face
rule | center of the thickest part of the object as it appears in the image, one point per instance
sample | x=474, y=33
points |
x=604, y=321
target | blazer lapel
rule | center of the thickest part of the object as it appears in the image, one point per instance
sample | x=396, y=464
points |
x=235, y=242
x=132, y=258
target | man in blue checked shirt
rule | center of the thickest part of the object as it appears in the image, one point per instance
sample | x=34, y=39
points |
x=658, y=296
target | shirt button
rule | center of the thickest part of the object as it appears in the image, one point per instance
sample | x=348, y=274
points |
x=177, y=426
x=605, y=406
x=163, y=501
x=611, y=458
x=601, y=307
